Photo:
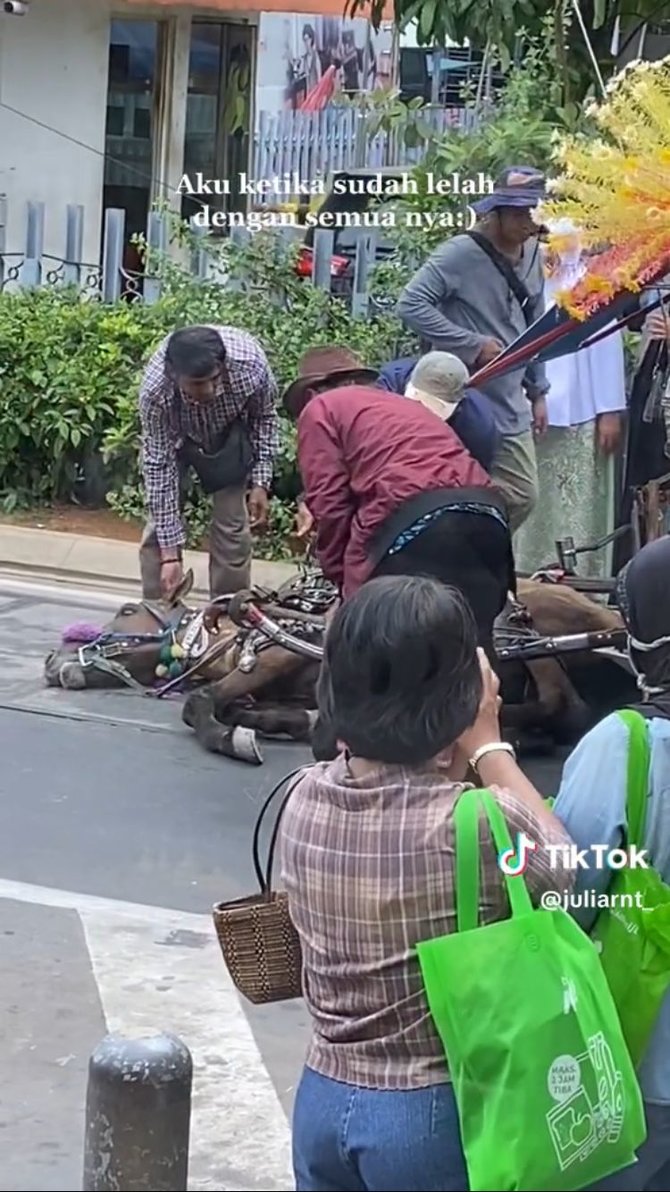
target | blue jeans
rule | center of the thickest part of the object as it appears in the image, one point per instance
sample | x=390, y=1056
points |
x=350, y=1139
x=651, y=1173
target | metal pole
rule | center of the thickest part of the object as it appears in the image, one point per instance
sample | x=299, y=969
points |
x=156, y=249
x=31, y=273
x=112, y=253
x=138, y=1108
x=3, y=233
x=199, y=258
x=366, y=252
x=589, y=47
x=437, y=55
x=74, y=245
x=324, y=243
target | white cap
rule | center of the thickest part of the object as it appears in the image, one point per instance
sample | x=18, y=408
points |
x=439, y=375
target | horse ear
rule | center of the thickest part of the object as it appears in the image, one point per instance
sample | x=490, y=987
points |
x=185, y=586
x=182, y=589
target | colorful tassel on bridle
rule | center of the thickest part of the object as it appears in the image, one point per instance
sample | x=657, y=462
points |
x=80, y=634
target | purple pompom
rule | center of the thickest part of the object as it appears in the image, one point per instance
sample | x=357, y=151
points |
x=80, y=634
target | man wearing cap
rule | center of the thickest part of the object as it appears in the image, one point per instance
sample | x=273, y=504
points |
x=474, y=296
x=392, y=489
x=439, y=379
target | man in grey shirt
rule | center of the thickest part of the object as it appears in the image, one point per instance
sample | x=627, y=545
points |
x=461, y=302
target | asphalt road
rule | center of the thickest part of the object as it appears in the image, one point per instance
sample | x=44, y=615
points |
x=117, y=834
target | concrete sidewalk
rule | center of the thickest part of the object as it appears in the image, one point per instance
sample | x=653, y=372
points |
x=83, y=561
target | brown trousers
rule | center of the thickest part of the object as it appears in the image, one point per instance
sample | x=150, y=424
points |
x=230, y=547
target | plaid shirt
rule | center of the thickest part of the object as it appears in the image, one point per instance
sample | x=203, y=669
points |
x=368, y=865
x=167, y=419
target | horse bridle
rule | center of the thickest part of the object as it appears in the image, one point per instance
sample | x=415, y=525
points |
x=103, y=653
x=298, y=609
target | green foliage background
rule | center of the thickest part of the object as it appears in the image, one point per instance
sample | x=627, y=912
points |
x=70, y=368
x=70, y=371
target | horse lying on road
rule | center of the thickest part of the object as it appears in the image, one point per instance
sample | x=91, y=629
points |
x=156, y=647
x=247, y=682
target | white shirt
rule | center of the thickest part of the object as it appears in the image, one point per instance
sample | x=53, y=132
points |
x=586, y=383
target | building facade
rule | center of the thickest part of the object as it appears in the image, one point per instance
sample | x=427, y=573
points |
x=108, y=104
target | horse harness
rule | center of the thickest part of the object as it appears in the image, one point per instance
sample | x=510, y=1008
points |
x=103, y=654
x=297, y=615
x=299, y=609
x=513, y=626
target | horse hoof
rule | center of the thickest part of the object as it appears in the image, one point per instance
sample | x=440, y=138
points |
x=245, y=746
x=71, y=676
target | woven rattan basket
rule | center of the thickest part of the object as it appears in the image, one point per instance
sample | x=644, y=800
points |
x=260, y=945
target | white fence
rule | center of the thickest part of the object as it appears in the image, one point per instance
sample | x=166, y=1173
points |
x=313, y=144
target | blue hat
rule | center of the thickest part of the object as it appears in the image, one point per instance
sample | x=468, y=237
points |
x=517, y=186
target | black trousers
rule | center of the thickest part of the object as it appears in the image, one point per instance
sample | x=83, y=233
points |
x=468, y=551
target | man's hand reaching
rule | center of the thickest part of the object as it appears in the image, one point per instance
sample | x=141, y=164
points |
x=304, y=522
x=258, y=505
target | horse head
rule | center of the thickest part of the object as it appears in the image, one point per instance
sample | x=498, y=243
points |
x=134, y=638
x=145, y=616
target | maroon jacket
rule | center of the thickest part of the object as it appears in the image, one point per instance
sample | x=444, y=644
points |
x=362, y=453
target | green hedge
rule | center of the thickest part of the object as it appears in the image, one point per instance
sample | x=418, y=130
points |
x=70, y=371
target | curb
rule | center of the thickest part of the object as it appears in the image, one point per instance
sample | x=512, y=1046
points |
x=86, y=562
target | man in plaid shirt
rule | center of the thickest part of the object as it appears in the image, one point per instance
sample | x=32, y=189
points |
x=208, y=400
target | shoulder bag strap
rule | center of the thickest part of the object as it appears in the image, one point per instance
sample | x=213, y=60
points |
x=639, y=760
x=466, y=825
x=264, y=877
x=468, y=859
x=505, y=268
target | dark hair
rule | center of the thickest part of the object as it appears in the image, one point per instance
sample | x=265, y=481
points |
x=308, y=31
x=194, y=352
x=400, y=679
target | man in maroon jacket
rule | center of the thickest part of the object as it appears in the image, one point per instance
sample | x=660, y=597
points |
x=392, y=489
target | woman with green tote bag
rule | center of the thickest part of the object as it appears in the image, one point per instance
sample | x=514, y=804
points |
x=367, y=857
x=545, y=1086
x=625, y=756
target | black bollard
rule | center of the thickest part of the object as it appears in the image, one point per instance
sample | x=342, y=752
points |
x=138, y=1111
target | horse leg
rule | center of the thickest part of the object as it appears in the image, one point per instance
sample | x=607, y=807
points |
x=562, y=707
x=273, y=720
x=554, y=715
x=271, y=664
x=206, y=711
x=214, y=736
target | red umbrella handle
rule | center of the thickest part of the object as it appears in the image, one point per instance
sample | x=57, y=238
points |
x=505, y=362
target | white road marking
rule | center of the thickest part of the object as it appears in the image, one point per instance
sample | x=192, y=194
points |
x=97, y=596
x=71, y=900
x=152, y=979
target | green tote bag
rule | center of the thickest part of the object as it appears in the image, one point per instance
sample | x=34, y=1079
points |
x=632, y=933
x=545, y=1087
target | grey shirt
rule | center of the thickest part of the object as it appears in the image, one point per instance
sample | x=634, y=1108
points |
x=458, y=299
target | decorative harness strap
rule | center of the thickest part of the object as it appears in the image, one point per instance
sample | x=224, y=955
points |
x=103, y=653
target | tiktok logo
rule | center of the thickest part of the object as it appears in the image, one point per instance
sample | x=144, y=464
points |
x=514, y=861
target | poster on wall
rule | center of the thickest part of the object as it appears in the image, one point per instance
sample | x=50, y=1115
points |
x=307, y=62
